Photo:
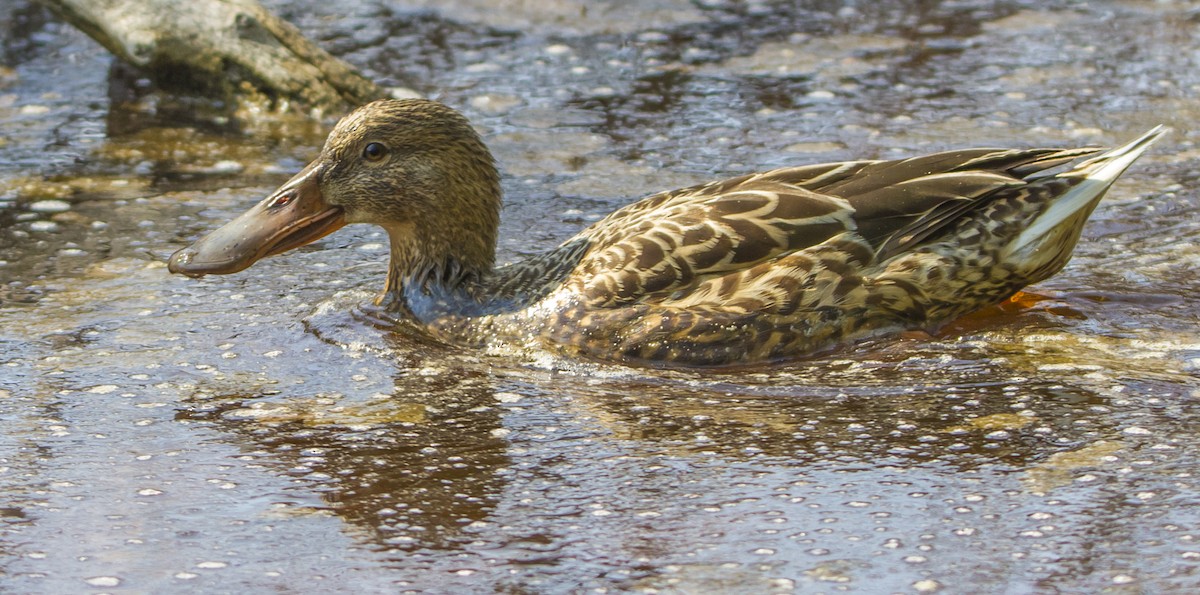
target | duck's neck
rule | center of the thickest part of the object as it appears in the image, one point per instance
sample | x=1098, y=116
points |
x=443, y=225
x=431, y=271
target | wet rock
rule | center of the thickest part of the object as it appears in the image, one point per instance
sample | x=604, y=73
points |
x=831, y=58
x=542, y=152
x=225, y=167
x=544, y=118
x=576, y=16
x=1057, y=469
x=1028, y=22
x=494, y=104
x=609, y=178
x=814, y=147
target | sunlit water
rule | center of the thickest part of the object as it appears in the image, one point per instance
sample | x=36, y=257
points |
x=262, y=432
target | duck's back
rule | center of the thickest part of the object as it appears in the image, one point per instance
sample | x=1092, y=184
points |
x=676, y=245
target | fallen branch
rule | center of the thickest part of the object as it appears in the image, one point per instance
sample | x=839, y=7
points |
x=228, y=50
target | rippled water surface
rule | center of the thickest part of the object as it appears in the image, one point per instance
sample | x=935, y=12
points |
x=259, y=433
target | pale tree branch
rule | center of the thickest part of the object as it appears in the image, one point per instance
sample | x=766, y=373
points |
x=224, y=49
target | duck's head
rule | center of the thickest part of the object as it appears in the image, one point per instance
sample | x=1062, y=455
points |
x=415, y=167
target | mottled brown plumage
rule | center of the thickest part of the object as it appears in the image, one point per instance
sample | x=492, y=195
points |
x=756, y=268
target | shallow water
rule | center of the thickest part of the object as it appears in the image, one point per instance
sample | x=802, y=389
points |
x=259, y=432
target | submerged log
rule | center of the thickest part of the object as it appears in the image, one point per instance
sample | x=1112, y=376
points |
x=228, y=50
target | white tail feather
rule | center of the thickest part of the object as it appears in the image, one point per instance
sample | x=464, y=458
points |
x=1099, y=172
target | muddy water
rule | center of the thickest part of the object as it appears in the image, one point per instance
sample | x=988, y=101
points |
x=260, y=433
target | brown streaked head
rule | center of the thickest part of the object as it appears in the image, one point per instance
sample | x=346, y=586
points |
x=415, y=167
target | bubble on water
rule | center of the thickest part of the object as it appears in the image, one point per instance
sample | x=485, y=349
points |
x=226, y=166
x=103, y=581
x=50, y=206
x=404, y=93
x=926, y=586
x=507, y=397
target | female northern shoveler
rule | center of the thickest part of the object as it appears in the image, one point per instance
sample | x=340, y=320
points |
x=751, y=269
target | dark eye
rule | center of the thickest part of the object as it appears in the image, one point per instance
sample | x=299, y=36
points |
x=374, y=151
x=283, y=199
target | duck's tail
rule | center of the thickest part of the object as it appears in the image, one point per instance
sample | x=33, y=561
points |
x=1058, y=226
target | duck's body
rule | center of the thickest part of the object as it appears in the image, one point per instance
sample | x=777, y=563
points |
x=753, y=269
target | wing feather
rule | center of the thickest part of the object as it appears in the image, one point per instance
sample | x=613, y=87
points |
x=695, y=238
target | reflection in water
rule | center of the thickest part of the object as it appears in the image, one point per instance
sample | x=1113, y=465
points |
x=409, y=470
x=460, y=445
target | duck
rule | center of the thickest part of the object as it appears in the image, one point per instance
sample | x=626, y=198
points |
x=760, y=268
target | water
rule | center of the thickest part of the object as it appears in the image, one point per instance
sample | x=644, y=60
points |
x=259, y=432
